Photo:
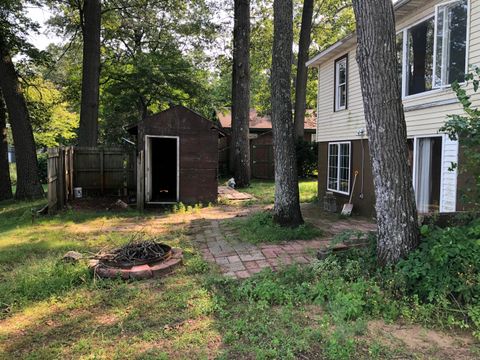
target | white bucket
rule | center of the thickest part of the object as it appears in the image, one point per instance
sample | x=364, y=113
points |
x=77, y=192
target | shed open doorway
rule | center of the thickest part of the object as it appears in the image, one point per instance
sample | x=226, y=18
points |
x=162, y=169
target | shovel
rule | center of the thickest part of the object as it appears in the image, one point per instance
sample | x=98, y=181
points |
x=347, y=208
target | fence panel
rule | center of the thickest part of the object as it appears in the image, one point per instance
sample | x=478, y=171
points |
x=262, y=164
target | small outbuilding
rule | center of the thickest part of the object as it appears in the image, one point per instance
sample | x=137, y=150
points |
x=177, y=158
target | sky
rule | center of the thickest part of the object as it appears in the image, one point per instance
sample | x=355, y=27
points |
x=45, y=37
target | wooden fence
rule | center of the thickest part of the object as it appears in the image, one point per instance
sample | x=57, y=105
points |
x=98, y=171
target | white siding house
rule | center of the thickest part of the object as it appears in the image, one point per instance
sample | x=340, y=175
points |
x=437, y=41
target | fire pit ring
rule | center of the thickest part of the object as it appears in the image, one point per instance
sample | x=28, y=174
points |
x=137, y=260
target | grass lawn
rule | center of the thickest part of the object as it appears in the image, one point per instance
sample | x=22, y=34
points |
x=53, y=310
x=259, y=227
x=264, y=190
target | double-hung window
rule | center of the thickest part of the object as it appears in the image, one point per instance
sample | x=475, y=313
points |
x=434, y=51
x=341, y=74
x=338, y=177
x=450, y=43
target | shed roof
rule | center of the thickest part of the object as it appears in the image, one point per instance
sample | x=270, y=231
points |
x=258, y=122
x=132, y=128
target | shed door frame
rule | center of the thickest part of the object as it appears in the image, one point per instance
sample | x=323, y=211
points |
x=148, y=175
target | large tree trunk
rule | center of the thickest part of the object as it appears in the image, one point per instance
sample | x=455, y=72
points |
x=287, y=203
x=302, y=71
x=385, y=120
x=91, y=20
x=5, y=183
x=240, y=146
x=28, y=181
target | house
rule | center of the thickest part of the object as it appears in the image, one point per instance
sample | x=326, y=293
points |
x=261, y=141
x=436, y=42
x=177, y=158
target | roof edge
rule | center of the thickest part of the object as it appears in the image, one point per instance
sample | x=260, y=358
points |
x=312, y=61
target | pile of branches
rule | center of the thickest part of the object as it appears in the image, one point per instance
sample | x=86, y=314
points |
x=136, y=253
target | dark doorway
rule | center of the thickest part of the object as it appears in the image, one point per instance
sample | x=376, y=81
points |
x=164, y=172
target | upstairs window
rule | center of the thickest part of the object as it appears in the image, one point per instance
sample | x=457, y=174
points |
x=339, y=167
x=420, y=39
x=451, y=43
x=341, y=74
x=434, y=51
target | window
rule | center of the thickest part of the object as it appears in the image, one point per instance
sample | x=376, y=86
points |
x=338, y=177
x=341, y=84
x=434, y=51
x=450, y=43
x=420, y=40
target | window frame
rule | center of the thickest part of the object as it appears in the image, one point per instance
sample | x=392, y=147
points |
x=336, y=77
x=434, y=14
x=435, y=39
x=338, y=143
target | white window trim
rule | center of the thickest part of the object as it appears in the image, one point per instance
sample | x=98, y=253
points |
x=337, y=84
x=467, y=43
x=338, y=166
x=405, y=52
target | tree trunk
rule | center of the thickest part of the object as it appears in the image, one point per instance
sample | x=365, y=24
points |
x=385, y=121
x=240, y=146
x=287, y=203
x=91, y=20
x=28, y=181
x=5, y=183
x=302, y=71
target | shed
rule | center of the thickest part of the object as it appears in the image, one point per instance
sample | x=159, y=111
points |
x=177, y=158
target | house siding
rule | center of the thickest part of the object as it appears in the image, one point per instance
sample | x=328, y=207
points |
x=343, y=125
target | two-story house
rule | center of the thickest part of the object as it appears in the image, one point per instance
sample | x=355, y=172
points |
x=436, y=43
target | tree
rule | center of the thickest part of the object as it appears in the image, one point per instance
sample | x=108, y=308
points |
x=240, y=147
x=90, y=20
x=287, y=203
x=387, y=131
x=14, y=26
x=302, y=71
x=5, y=183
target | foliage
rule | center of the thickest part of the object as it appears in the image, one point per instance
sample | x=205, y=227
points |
x=52, y=121
x=466, y=128
x=333, y=19
x=42, y=159
x=307, y=158
x=446, y=265
x=13, y=173
x=260, y=228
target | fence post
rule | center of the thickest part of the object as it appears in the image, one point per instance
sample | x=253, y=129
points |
x=102, y=172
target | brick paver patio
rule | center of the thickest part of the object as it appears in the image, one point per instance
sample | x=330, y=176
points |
x=220, y=245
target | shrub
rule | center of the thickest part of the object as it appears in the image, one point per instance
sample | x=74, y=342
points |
x=307, y=158
x=446, y=264
x=43, y=167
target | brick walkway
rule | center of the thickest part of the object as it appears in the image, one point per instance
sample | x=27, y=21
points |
x=219, y=245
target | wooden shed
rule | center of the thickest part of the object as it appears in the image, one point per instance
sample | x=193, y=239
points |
x=177, y=158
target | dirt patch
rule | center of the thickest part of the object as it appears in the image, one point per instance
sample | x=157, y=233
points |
x=420, y=341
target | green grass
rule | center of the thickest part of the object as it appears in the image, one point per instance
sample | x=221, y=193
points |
x=51, y=310
x=264, y=190
x=260, y=228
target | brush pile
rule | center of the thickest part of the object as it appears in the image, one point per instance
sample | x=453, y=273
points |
x=136, y=253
